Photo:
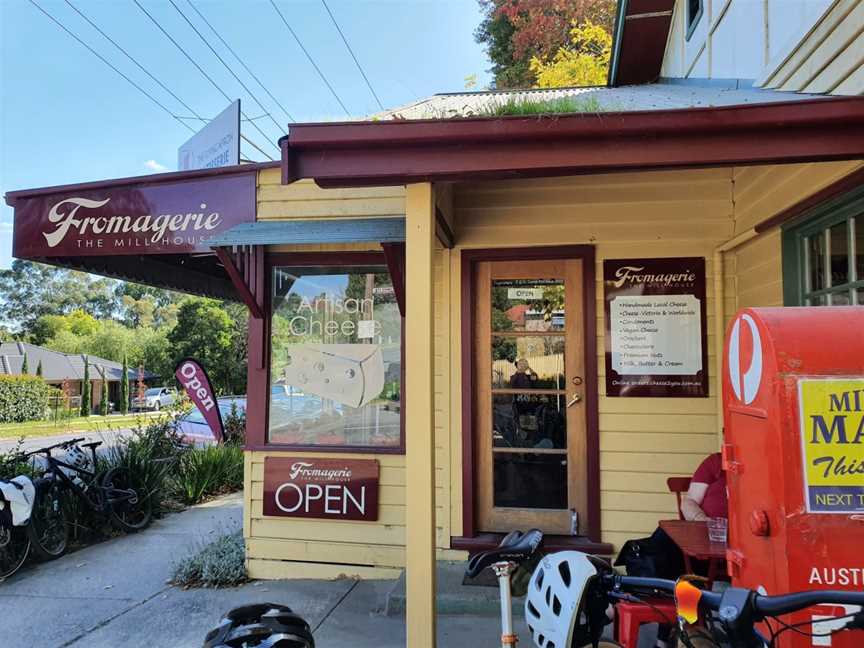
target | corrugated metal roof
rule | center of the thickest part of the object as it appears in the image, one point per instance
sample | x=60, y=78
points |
x=654, y=96
x=333, y=230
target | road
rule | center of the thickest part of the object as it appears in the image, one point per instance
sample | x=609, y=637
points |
x=108, y=437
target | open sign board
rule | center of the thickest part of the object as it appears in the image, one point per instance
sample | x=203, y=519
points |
x=331, y=489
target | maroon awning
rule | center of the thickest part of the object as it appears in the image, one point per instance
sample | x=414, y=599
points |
x=397, y=152
x=149, y=229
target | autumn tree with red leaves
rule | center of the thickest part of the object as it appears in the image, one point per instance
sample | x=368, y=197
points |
x=517, y=31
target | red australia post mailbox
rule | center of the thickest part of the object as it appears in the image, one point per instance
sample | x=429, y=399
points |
x=793, y=395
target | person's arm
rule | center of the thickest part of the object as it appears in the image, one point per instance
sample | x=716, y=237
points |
x=691, y=502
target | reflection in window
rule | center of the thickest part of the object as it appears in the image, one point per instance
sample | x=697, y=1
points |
x=527, y=305
x=335, y=370
x=530, y=480
x=528, y=362
x=529, y=421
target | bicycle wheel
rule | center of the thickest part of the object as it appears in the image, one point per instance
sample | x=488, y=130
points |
x=48, y=531
x=14, y=547
x=127, y=502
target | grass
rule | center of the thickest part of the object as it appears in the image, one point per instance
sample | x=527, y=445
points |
x=80, y=424
x=528, y=107
x=222, y=563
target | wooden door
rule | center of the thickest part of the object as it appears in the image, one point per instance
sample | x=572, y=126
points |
x=529, y=395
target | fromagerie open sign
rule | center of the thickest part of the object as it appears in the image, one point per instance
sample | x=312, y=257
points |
x=333, y=489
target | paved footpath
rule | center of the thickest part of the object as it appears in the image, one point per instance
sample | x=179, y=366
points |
x=115, y=594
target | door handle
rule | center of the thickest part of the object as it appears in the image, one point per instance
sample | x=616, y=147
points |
x=574, y=399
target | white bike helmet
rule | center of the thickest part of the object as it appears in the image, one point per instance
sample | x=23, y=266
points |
x=556, y=598
x=75, y=456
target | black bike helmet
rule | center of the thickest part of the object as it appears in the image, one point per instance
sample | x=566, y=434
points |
x=260, y=625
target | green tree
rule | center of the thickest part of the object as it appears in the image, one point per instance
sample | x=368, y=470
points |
x=25, y=365
x=207, y=331
x=124, y=387
x=39, y=369
x=103, y=401
x=516, y=31
x=31, y=290
x=85, y=389
x=584, y=62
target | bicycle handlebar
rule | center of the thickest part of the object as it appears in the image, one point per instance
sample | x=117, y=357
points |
x=787, y=603
x=62, y=444
x=762, y=605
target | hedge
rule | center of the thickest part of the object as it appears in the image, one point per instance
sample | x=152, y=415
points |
x=23, y=398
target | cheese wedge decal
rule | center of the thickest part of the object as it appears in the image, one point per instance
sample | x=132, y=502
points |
x=350, y=374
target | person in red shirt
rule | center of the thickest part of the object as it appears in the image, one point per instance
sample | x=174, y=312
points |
x=707, y=497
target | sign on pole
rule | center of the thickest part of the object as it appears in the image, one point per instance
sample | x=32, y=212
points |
x=215, y=145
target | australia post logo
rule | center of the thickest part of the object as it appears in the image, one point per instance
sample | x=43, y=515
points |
x=321, y=488
x=77, y=218
x=745, y=359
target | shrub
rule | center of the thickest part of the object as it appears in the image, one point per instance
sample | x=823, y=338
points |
x=152, y=455
x=235, y=426
x=23, y=398
x=221, y=563
x=208, y=471
x=12, y=464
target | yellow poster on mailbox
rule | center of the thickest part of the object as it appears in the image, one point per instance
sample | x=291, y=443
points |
x=832, y=443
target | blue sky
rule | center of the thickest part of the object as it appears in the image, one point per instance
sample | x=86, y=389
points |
x=66, y=117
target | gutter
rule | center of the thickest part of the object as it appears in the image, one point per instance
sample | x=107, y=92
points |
x=386, y=153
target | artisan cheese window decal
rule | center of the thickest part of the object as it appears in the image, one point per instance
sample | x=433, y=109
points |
x=335, y=358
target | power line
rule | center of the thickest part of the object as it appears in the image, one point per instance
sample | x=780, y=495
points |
x=106, y=62
x=351, y=52
x=311, y=60
x=279, y=128
x=199, y=68
x=239, y=60
x=254, y=145
x=131, y=58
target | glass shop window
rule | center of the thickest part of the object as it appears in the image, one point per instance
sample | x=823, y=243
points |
x=336, y=358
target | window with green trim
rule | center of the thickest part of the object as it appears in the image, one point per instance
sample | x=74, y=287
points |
x=823, y=255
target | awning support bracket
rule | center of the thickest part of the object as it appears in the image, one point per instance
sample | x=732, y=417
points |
x=239, y=280
x=394, y=257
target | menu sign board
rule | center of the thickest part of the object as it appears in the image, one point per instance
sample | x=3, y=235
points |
x=832, y=431
x=331, y=489
x=655, y=327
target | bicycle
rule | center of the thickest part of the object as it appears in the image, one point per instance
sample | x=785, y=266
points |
x=567, y=604
x=112, y=492
x=14, y=543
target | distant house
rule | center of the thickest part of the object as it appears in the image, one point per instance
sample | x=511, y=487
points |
x=58, y=367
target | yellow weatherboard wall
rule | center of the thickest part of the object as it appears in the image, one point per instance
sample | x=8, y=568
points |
x=642, y=440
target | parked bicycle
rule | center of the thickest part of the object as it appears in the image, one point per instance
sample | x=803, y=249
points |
x=569, y=596
x=112, y=492
x=14, y=540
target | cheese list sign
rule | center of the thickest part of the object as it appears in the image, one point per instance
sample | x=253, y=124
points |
x=331, y=489
x=655, y=327
x=832, y=444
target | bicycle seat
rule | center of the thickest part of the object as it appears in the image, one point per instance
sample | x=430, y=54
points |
x=516, y=547
x=91, y=444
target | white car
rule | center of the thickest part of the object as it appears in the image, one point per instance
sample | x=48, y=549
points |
x=155, y=398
